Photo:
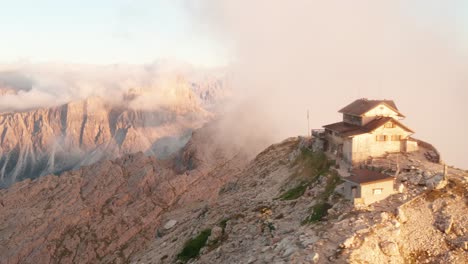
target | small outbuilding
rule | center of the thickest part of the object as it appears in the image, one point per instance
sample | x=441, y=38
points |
x=367, y=186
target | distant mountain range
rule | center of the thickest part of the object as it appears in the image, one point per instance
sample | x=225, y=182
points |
x=155, y=117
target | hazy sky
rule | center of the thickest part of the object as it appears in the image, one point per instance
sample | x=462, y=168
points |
x=140, y=31
x=103, y=31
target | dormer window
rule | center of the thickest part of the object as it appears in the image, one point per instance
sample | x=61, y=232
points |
x=351, y=119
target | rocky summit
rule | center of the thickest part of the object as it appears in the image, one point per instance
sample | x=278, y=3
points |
x=212, y=203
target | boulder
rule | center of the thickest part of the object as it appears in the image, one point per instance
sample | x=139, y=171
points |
x=384, y=216
x=305, y=242
x=313, y=258
x=415, y=179
x=428, y=174
x=216, y=234
x=436, y=182
x=400, y=215
x=389, y=248
x=401, y=188
x=170, y=224
x=444, y=224
x=348, y=242
x=288, y=251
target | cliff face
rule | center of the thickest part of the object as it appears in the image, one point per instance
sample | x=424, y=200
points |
x=56, y=139
x=108, y=211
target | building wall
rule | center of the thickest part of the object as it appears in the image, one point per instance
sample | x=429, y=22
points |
x=334, y=141
x=411, y=146
x=347, y=191
x=366, y=145
x=348, y=150
x=367, y=191
x=380, y=110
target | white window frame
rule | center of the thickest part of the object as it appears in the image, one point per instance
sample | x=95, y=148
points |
x=377, y=191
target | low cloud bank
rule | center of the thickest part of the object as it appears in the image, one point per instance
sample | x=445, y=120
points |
x=145, y=87
x=290, y=56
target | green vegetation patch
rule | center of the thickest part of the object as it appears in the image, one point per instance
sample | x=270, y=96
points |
x=333, y=180
x=313, y=164
x=310, y=165
x=318, y=212
x=295, y=192
x=193, y=246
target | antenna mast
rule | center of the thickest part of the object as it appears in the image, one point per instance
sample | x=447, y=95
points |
x=308, y=124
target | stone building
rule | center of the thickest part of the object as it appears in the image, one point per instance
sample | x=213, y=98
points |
x=370, y=128
x=367, y=186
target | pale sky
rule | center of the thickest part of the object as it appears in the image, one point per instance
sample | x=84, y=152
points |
x=103, y=32
x=141, y=31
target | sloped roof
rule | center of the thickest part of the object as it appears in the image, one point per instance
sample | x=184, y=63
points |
x=349, y=130
x=362, y=106
x=343, y=127
x=364, y=176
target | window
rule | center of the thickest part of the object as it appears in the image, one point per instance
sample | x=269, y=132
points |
x=352, y=119
x=396, y=137
x=389, y=125
x=377, y=191
x=381, y=138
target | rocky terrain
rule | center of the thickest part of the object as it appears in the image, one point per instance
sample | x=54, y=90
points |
x=282, y=209
x=55, y=139
x=108, y=211
x=208, y=204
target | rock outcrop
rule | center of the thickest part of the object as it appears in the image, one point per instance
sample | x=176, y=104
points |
x=207, y=204
x=108, y=211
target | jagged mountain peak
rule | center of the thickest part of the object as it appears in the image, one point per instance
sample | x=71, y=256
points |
x=155, y=120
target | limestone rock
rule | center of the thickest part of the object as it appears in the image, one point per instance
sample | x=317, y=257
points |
x=389, y=248
x=106, y=211
x=170, y=224
x=314, y=258
x=82, y=132
x=348, y=242
x=216, y=234
x=400, y=214
x=288, y=251
x=444, y=223
x=436, y=182
x=415, y=179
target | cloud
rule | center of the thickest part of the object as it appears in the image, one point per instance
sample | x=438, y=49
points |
x=290, y=56
x=152, y=86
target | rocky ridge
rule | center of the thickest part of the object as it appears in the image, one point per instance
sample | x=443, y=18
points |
x=278, y=208
x=253, y=221
x=108, y=211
